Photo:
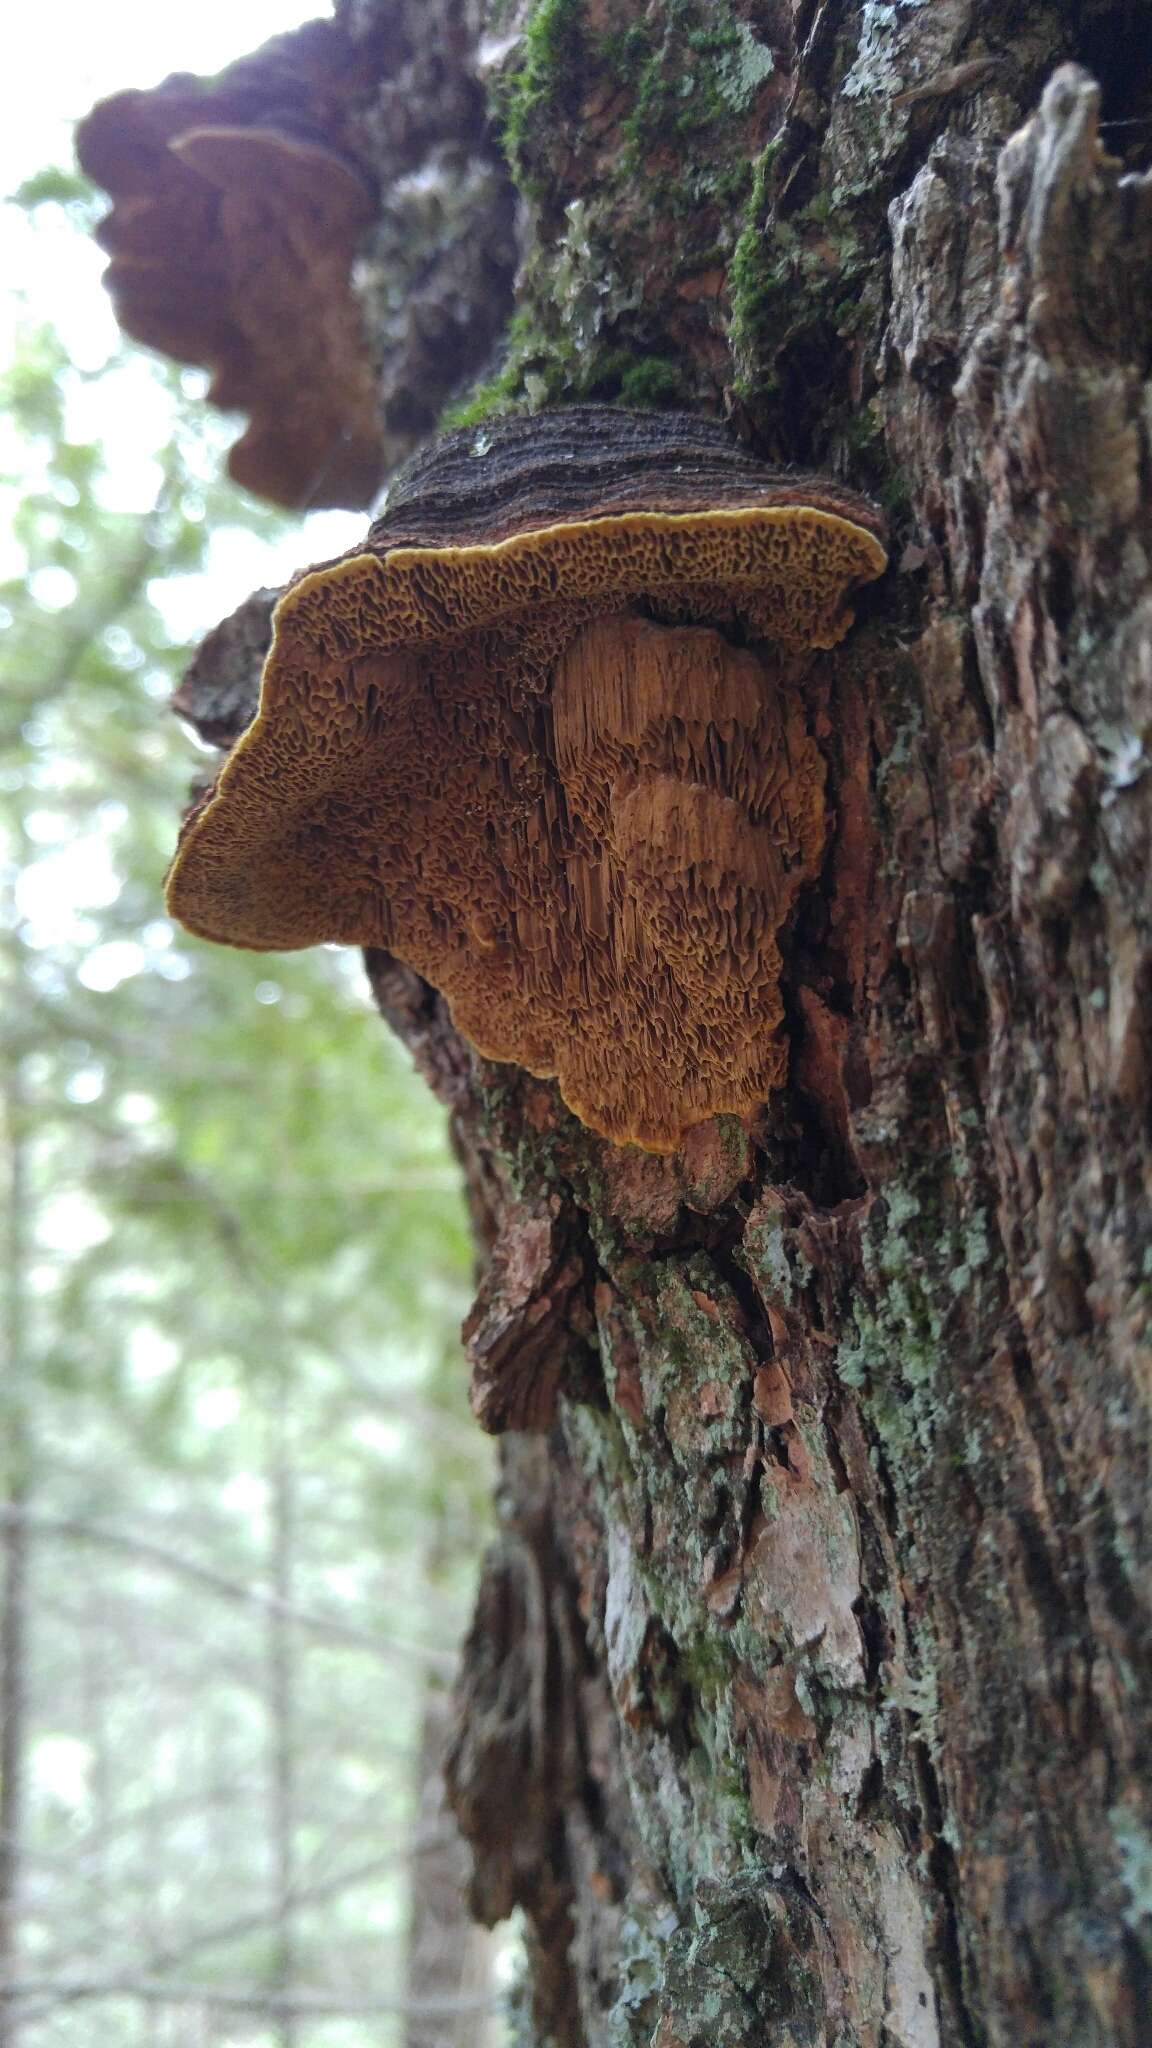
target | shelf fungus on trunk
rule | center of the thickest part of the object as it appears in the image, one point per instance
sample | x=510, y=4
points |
x=545, y=739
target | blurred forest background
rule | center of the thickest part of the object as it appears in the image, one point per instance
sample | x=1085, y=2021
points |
x=242, y=1499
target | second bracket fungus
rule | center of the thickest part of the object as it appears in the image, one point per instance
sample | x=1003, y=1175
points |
x=235, y=223
x=328, y=226
x=545, y=738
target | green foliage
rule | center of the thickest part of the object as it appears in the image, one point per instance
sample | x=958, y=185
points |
x=235, y=1272
x=55, y=186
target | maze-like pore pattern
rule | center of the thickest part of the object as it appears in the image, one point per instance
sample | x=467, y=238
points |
x=520, y=768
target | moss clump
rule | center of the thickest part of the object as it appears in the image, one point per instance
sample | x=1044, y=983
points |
x=754, y=276
x=690, y=71
x=542, y=87
x=542, y=369
x=800, y=292
x=652, y=381
x=564, y=341
x=584, y=330
x=482, y=403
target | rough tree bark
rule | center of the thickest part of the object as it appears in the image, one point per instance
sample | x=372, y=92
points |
x=808, y=1695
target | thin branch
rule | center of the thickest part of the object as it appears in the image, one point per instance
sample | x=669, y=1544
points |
x=300, y=1895
x=119, y=587
x=147, y=1551
x=153, y=1991
x=423, y=1844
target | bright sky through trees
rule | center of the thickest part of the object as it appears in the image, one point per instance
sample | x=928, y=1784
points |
x=59, y=61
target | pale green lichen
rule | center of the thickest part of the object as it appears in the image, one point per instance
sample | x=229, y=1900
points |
x=1134, y=1846
x=642, y=1941
x=877, y=52
x=917, y=1695
x=567, y=350
x=770, y=1255
x=921, y=1257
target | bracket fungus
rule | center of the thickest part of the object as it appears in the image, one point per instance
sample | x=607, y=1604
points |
x=545, y=738
x=236, y=217
x=328, y=226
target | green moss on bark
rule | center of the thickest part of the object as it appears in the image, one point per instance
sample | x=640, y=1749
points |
x=690, y=69
x=563, y=342
x=585, y=328
x=544, y=85
x=804, y=286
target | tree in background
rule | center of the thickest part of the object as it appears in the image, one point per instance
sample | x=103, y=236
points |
x=240, y=1501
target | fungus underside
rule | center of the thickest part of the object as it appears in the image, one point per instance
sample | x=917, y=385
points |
x=567, y=774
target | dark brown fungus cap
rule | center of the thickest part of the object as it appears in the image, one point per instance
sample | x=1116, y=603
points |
x=232, y=234
x=545, y=739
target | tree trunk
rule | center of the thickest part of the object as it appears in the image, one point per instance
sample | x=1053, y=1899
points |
x=808, y=1695
x=281, y=1662
x=449, y=1958
x=15, y=1591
